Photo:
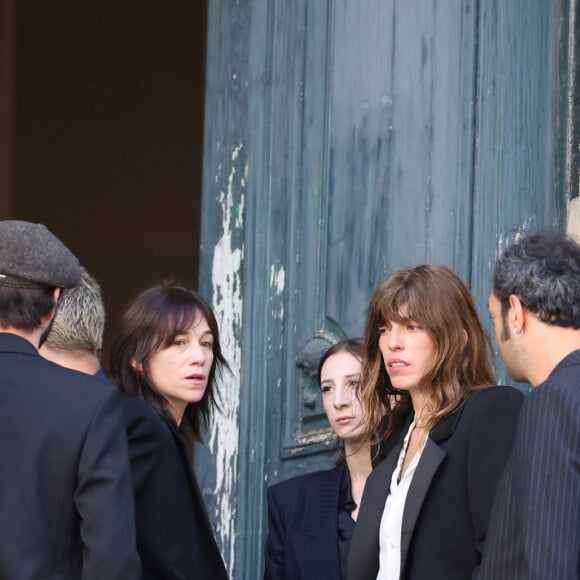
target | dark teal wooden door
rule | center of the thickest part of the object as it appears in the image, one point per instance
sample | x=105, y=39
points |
x=343, y=140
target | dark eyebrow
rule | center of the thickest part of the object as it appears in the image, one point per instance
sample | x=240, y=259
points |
x=189, y=328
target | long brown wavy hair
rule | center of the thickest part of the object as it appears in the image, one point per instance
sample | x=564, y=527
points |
x=435, y=298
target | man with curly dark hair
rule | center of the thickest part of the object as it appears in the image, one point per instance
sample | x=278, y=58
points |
x=535, y=306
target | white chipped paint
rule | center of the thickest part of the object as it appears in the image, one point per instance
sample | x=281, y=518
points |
x=228, y=306
x=500, y=245
x=277, y=283
x=277, y=279
x=503, y=241
x=316, y=436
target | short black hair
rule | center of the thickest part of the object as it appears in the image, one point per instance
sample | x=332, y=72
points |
x=24, y=308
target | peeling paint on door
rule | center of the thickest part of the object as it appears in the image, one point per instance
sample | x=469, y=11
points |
x=277, y=282
x=228, y=307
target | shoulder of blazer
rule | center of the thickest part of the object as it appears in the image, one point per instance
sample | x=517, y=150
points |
x=480, y=401
x=14, y=344
x=143, y=423
x=564, y=376
x=308, y=481
x=309, y=501
x=138, y=412
x=75, y=389
x=493, y=395
x=570, y=360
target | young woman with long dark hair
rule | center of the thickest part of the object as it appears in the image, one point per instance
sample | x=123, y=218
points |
x=311, y=517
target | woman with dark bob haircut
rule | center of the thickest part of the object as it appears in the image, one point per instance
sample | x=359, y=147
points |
x=425, y=508
x=167, y=358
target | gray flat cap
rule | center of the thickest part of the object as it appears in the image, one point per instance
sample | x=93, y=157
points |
x=31, y=256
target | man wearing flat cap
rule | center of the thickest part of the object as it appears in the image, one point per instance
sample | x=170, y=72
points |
x=66, y=505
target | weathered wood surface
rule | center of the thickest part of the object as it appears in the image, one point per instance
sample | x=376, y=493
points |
x=344, y=140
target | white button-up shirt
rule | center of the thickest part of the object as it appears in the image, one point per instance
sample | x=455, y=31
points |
x=392, y=520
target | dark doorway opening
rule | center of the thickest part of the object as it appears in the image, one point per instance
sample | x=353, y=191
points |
x=107, y=134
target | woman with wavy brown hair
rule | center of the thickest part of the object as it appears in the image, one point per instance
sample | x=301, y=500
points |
x=425, y=508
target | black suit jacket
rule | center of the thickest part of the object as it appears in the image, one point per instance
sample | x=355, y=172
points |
x=447, y=508
x=302, y=542
x=174, y=535
x=534, y=530
x=66, y=507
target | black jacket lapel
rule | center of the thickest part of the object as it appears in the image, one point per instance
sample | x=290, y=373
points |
x=363, y=561
x=196, y=495
x=431, y=459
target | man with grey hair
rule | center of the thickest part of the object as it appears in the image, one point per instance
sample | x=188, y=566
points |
x=534, y=530
x=66, y=504
x=75, y=339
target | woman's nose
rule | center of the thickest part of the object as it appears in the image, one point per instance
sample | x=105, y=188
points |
x=197, y=354
x=395, y=339
x=342, y=396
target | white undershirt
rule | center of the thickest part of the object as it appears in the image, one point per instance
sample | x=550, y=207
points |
x=392, y=520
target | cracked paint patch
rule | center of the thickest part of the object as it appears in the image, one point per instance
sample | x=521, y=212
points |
x=227, y=301
x=515, y=235
x=277, y=282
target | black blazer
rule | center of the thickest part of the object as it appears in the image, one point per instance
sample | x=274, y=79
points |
x=174, y=536
x=66, y=507
x=448, y=504
x=534, y=530
x=302, y=542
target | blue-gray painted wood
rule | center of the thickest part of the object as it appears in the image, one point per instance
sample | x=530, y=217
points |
x=344, y=140
x=401, y=143
x=520, y=128
x=222, y=267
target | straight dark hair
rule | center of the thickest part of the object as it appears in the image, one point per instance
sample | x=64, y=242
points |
x=24, y=308
x=150, y=324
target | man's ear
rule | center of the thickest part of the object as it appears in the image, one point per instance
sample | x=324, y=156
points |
x=56, y=297
x=517, y=314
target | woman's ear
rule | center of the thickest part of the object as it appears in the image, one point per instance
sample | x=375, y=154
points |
x=136, y=366
x=465, y=337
